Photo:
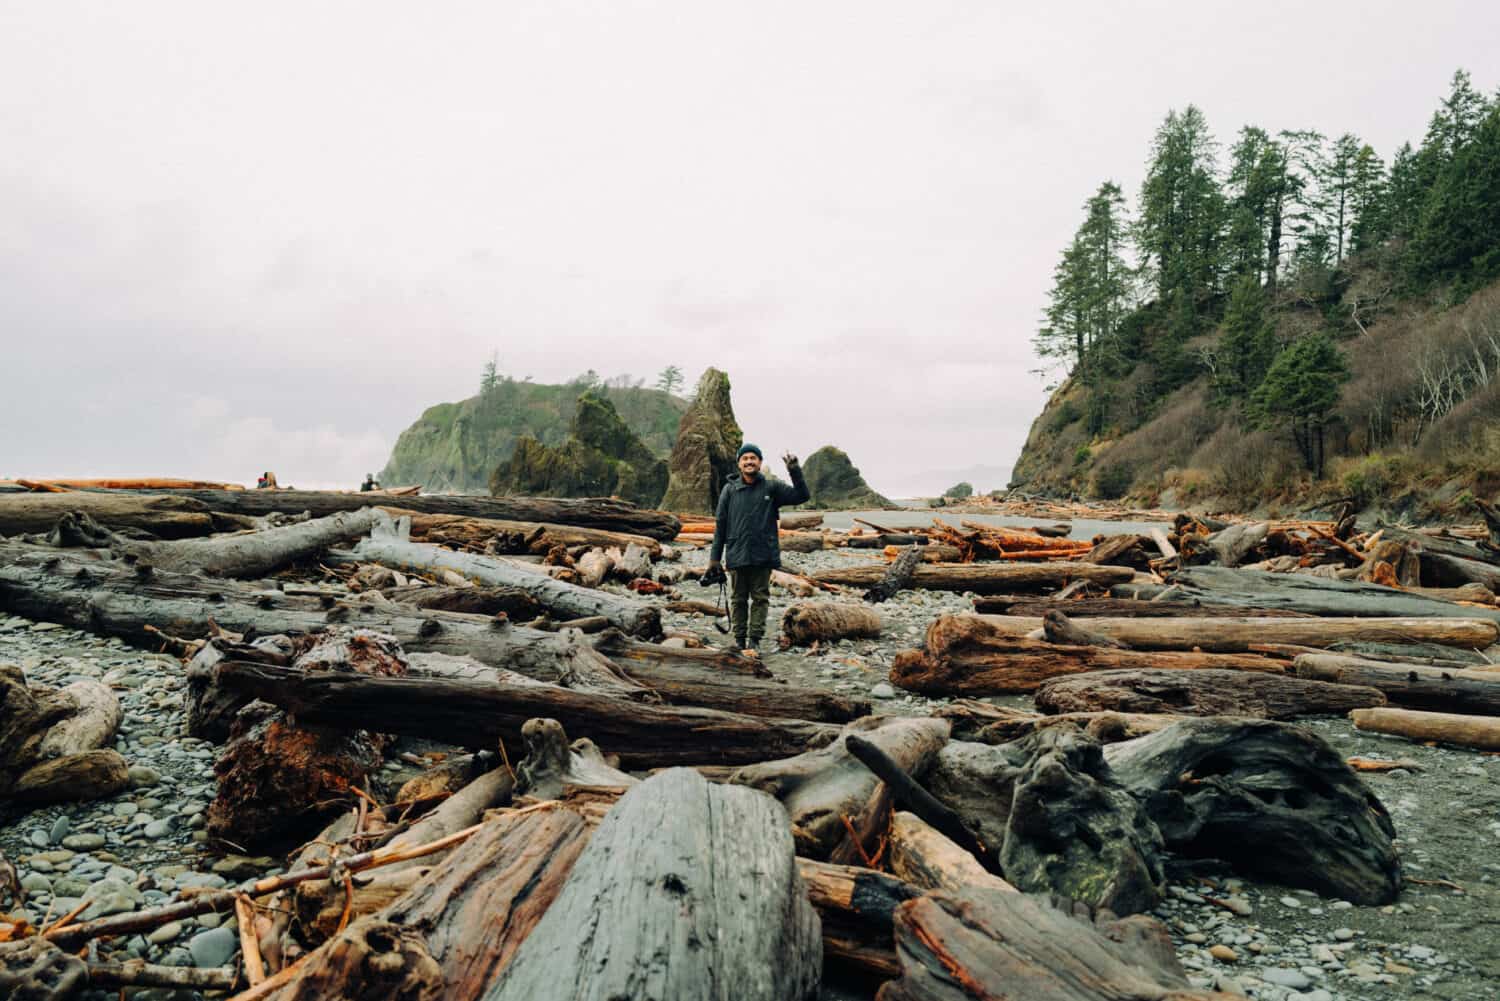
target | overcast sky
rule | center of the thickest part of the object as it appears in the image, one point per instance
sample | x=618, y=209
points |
x=267, y=236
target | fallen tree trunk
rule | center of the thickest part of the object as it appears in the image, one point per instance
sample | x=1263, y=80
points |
x=965, y=655
x=252, y=554
x=163, y=517
x=477, y=713
x=590, y=512
x=1030, y=605
x=1202, y=693
x=985, y=943
x=1301, y=593
x=1468, y=692
x=924, y=857
x=1272, y=799
x=1443, y=570
x=827, y=621
x=985, y=723
x=983, y=578
x=1227, y=635
x=709, y=906
x=1479, y=732
x=388, y=546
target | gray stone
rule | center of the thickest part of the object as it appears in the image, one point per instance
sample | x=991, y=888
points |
x=39, y=839
x=214, y=947
x=70, y=887
x=142, y=776
x=84, y=842
x=60, y=828
x=158, y=828
x=1343, y=934
x=165, y=933
x=35, y=882
x=882, y=690
x=1281, y=977
x=126, y=809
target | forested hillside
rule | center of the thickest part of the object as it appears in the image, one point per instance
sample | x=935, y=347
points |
x=457, y=446
x=1285, y=320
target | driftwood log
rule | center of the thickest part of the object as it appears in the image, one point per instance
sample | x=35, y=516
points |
x=986, y=943
x=504, y=536
x=389, y=545
x=1202, y=693
x=1435, y=688
x=52, y=741
x=478, y=713
x=1031, y=605
x=821, y=787
x=33, y=969
x=709, y=906
x=925, y=857
x=251, y=554
x=897, y=578
x=811, y=622
x=1479, y=732
x=1272, y=799
x=985, y=723
x=163, y=517
x=590, y=512
x=1054, y=819
x=982, y=578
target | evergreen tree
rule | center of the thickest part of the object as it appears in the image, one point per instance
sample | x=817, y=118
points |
x=1065, y=333
x=1403, y=206
x=1256, y=184
x=1371, y=220
x=1338, y=184
x=1181, y=222
x=1091, y=287
x=1458, y=233
x=1304, y=204
x=1299, y=392
x=670, y=379
x=490, y=380
x=1248, y=343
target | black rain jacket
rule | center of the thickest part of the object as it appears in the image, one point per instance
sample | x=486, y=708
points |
x=745, y=531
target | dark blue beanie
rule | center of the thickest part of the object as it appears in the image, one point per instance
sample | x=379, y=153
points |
x=747, y=447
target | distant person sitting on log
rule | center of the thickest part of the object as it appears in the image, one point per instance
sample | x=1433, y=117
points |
x=267, y=481
x=745, y=537
x=369, y=484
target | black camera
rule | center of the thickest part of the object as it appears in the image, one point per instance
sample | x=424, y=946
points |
x=712, y=576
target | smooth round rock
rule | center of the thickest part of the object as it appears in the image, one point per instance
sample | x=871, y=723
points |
x=214, y=947
x=83, y=842
x=1295, y=979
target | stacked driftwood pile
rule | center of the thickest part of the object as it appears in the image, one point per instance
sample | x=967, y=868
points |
x=622, y=817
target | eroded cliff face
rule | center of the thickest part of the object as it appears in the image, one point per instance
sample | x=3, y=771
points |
x=704, y=456
x=455, y=447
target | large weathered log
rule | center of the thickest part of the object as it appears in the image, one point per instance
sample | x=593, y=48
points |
x=857, y=909
x=980, y=721
x=252, y=554
x=982, y=578
x=477, y=713
x=1480, y=732
x=1272, y=799
x=924, y=857
x=51, y=740
x=822, y=787
x=1471, y=692
x=1013, y=604
x=985, y=943
x=810, y=622
x=685, y=681
x=1301, y=593
x=389, y=546
x=85, y=775
x=1202, y=693
x=502, y=535
x=709, y=906
x=1231, y=635
x=1054, y=819
x=164, y=517
x=589, y=512
x=967, y=654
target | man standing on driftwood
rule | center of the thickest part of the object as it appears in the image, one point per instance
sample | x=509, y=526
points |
x=745, y=537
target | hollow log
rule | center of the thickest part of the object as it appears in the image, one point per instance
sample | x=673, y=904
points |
x=1479, y=732
x=478, y=713
x=709, y=906
x=252, y=554
x=983, y=578
x=590, y=512
x=821, y=787
x=388, y=545
x=1272, y=799
x=1435, y=688
x=985, y=943
x=1234, y=635
x=810, y=622
x=163, y=517
x=1302, y=593
x=897, y=578
x=1053, y=819
x=1202, y=693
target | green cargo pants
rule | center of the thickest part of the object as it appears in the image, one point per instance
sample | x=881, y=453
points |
x=748, y=600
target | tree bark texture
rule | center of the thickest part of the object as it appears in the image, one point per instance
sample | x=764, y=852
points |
x=897, y=578
x=1479, y=732
x=982, y=578
x=810, y=622
x=1272, y=799
x=1202, y=693
x=926, y=858
x=709, y=907
x=1410, y=685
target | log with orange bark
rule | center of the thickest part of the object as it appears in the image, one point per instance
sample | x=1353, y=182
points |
x=1479, y=732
